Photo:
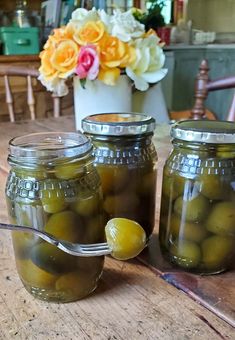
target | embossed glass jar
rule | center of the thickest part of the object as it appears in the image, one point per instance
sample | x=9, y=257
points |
x=54, y=186
x=197, y=222
x=125, y=158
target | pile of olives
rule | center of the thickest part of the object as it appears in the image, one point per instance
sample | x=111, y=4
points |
x=197, y=222
x=65, y=201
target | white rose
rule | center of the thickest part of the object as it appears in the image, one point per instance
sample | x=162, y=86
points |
x=55, y=85
x=147, y=67
x=81, y=15
x=106, y=19
x=125, y=27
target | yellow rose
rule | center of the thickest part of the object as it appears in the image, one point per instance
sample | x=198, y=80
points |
x=90, y=33
x=65, y=57
x=46, y=68
x=114, y=55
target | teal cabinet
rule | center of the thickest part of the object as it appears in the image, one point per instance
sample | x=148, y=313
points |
x=186, y=69
x=183, y=65
x=222, y=64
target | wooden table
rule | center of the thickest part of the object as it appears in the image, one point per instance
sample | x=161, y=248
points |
x=133, y=301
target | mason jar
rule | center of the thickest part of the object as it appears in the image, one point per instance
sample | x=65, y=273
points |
x=54, y=186
x=197, y=219
x=125, y=158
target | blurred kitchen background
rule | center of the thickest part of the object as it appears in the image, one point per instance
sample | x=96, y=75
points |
x=191, y=29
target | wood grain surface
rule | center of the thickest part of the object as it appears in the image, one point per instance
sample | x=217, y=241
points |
x=132, y=301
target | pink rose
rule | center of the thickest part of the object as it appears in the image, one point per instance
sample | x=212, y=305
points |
x=88, y=63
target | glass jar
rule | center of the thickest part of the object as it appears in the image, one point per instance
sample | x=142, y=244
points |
x=54, y=186
x=197, y=220
x=125, y=158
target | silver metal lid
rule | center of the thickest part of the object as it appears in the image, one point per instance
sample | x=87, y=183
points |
x=204, y=131
x=118, y=124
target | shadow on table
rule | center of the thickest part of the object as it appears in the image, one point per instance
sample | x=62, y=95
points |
x=215, y=292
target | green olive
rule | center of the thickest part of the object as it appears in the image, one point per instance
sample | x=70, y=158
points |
x=186, y=254
x=65, y=225
x=38, y=173
x=221, y=220
x=53, y=200
x=122, y=203
x=225, y=151
x=34, y=276
x=147, y=183
x=113, y=178
x=87, y=206
x=217, y=251
x=125, y=237
x=23, y=242
x=187, y=230
x=94, y=229
x=91, y=265
x=69, y=171
x=173, y=185
x=213, y=187
x=75, y=285
x=192, y=210
x=51, y=259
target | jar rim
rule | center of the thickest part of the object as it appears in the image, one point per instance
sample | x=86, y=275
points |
x=118, y=124
x=204, y=131
x=48, y=146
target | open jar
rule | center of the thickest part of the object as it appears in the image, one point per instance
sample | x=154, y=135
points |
x=54, y=186
x=197, y=222
x=125, y=158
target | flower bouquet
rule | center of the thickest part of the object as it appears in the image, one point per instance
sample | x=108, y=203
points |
x=95, y=45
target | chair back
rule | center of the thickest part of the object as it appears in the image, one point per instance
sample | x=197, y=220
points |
x=204, y=85
x=7, y=71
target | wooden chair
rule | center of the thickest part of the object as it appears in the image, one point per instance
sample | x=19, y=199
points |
x=203, y=85
x=8, y=71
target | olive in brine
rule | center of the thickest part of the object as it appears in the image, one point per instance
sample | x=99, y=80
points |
x=65, y=225
x=35, y=276
x=186, y=254
x=86, y=206
x=216, y=251
x=221, y=220
x=213, y=187
x=69, y=171
x=51, y=259
x=75, y=285
x=122, y=203
x=192, y=210
x=113, y=178
x=190, y=231
x=173, y=186
x=53, y=200
x=23, y=242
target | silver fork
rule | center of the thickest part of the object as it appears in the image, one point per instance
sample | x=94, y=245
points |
x=77, y=249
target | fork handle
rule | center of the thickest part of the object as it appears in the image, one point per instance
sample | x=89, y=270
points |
x=44, y=235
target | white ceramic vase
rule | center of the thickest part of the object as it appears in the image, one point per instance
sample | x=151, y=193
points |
x=97, y=97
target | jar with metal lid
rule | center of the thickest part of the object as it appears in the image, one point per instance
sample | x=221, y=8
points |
x=54, y=186
x=197, y=220
x=125, y=158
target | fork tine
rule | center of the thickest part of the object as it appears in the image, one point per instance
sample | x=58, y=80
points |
x=90, y=249
x=93, y=244
x=97, y=246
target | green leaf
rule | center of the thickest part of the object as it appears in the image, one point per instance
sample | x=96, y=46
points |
x=83, y=83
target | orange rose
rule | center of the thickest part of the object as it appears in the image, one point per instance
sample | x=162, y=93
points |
x=90, y=33
x=114, y=55
x=65, y=57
